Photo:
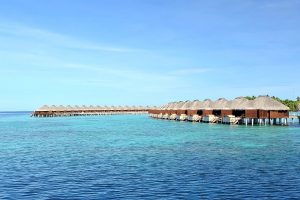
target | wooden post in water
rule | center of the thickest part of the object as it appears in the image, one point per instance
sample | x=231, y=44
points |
x=285, y=121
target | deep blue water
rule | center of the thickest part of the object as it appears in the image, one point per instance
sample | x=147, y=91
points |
x=135, y=157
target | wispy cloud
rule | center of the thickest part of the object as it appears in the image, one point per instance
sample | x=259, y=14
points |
x=133, y=74
x=57, y=39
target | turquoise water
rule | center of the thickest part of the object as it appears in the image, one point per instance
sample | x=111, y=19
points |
x=136, y=157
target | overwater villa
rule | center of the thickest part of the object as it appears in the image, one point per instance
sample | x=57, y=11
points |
x=59, y=111
x=262, y=110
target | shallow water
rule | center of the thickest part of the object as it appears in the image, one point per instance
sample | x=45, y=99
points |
x=136, y=157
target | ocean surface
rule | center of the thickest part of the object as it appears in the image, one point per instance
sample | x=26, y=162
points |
x=136, y=157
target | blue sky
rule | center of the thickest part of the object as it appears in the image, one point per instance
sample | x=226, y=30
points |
x=140, y=52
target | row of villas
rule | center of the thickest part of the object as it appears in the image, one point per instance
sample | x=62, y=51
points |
x=262, y=110
x=59, y=111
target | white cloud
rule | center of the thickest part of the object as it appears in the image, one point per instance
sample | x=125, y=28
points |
x=53, y=38
x=132, y=74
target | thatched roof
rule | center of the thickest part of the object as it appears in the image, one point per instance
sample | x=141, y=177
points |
x=106, y=107
x=240, y=103
x=268, y=103
x=83, y=107
x=69, y=108
x=128, y=107
x=120, y=107
x=132, y=108
x=98, y=107
x=91, y=107
x=43, y=108
x=53, y=108
x=124, y=107
x=171, y=106
x=186, y=105
x=141, y=108
x=195, y=105
x=113, y=108
x=220, y=104
x=178, y=105
x=207, y=104
x=164, y=106
x=76, y=107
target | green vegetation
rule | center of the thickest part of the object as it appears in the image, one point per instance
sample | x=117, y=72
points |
x=293, y=105
x=250, y=97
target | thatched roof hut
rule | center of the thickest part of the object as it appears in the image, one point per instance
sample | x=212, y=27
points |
x=43, y=108
x=99, y=108
x=91, y=108
x=241, y=103
x=268, y=103
x=221, y=104
x=183, y=107
x=140, y=108
x=171, y=109
x=69, y=108
x=123, y=108
x=163, y=106
x=77, y=108
x=207, y=104
x=59, y=108
x=167, y=106
x=133, y=108
x=105, y=108
x=53, y=108
x=171, y=106
x=178, y=105
x=126, y=107
x=113, y=108
x=83, y=108
x=186, y=105
x=195, y=105
x=120, y=108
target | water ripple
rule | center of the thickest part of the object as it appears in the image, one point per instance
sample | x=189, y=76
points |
x=134, y=157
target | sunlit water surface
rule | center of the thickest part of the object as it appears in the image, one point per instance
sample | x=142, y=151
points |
x=136, y=157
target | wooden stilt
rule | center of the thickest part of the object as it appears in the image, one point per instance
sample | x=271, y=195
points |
x=265, y=122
